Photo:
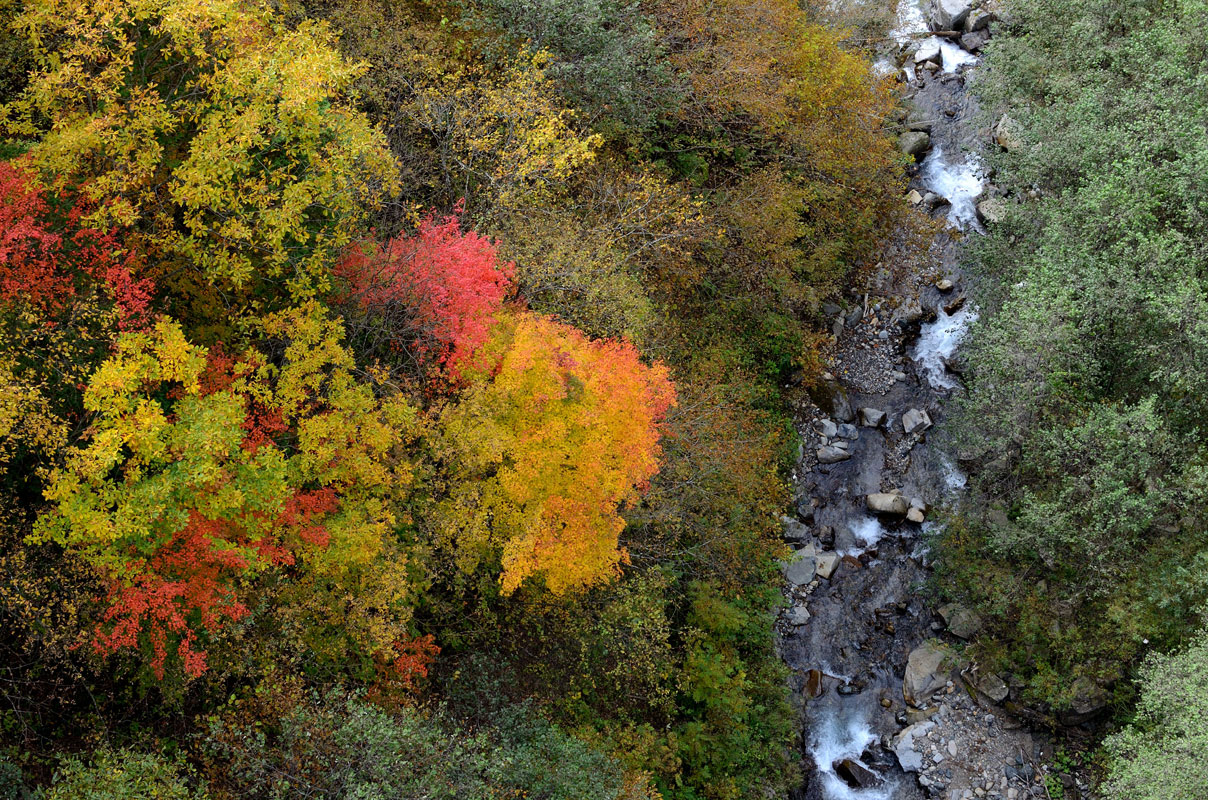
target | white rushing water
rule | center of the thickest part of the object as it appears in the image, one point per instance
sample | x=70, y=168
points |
x=835, y=738
x=868, y=531
x=959, y=184
x=938, y=340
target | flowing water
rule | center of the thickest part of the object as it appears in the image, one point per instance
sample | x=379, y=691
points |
x=865, y=620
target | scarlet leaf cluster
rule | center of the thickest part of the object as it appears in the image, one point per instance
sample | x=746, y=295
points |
x=47, y=256
x=441, y=287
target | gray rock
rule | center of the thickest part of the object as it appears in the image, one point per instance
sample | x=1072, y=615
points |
x=794, y=531
x=931, y=200
x=927, y=671
x=845, y=539
x=992, y=210
x=915, y=420
x=974, y=42
x=872, y=417
x=841, y=406
x=990, y=685
x=914, y=143
x=962, y=622
x=929, y=50
x=1089, y=701
x=909, y=758
x=848, y=431
x=828, y=428
x=979, y=20
x=855, y=774
x=883, y=503
x=800, y=568
x=797, y=616
x=909, y=313
x=1008, y=134
x=948, y=15
x=826, y=562
x=832, y=455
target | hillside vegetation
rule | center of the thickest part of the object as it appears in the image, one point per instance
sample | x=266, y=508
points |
x=390, y=389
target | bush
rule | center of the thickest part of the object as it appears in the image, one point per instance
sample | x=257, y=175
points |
x=122, y=775
x=1163, y=755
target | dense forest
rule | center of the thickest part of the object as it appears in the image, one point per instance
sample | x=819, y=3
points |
x=394, y=394
x=391, y=388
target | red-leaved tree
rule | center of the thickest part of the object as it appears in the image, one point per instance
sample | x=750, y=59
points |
x=47, y=257
x=432, y=296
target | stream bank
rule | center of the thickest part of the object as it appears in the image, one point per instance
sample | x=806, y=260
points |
x=889, y=708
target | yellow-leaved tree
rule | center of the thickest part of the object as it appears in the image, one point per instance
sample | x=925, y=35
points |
x=202, y=470
x=547, y=449
x=221, y=134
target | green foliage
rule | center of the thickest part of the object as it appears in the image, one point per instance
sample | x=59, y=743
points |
x=339, y=746
x=1086, y=533
x=1163, y=754
x=122, y=775
x=607, y=57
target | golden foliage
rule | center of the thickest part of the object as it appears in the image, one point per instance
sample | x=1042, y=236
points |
x=217, y=131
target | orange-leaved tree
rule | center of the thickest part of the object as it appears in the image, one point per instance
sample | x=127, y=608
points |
x=549, y=448
x=202, y=470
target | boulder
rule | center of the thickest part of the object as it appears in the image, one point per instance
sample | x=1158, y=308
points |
x=988, y=684
x=828, y=428
x=797, y=616
x=914, y=143
x=944, y=285
x=974, y=42
x=957, y=363
x=872, y=417
x=826, y=561
x=910, y=759
x=927, y=671
x=929, y=50
x=962, y=622
x=955, y=304
x=979, y=20
x=914, y=198
x=948, y=15
x=915, y=420
x=1089, y=701
x=848, y=431
x=992, y=210
x=845, y=538
x=1008, y=134
x=841, y=406
x=855, y=774
x=800, y=568
x=911, y=313
x=884, y=503
x=794, y=531
x=832, y=455
x=916, y=515
x=813, y=684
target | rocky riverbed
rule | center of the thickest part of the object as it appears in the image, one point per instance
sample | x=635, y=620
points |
x=890, y=708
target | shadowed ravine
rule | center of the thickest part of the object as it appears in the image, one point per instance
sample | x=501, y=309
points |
x=849, y=656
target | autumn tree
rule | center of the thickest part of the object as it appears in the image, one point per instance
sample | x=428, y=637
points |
x=433, y=295
x=215, y=130
x=202, y=470
x=548, y=450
